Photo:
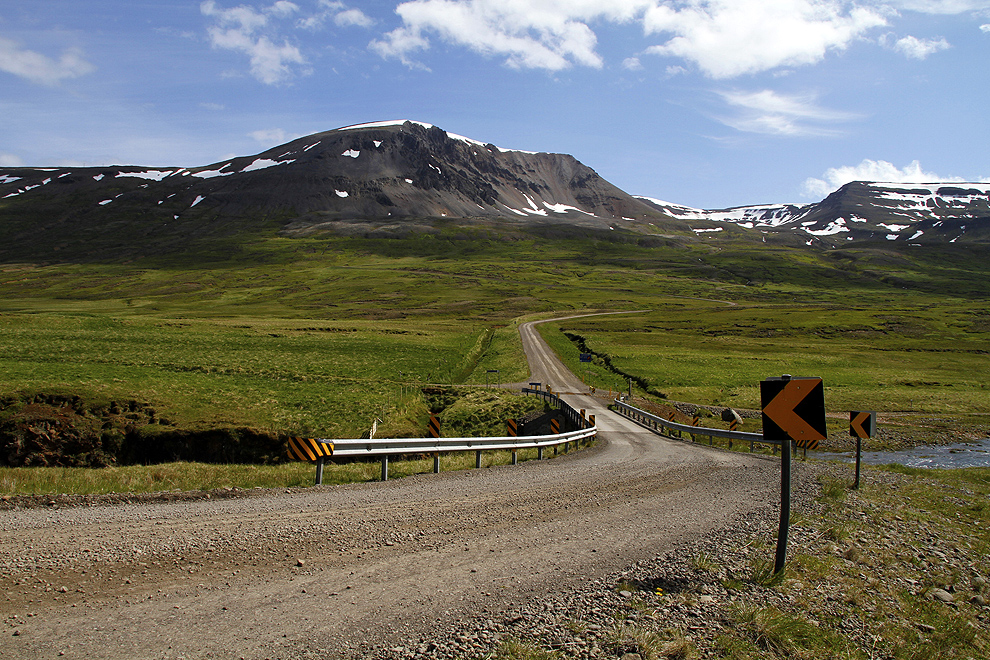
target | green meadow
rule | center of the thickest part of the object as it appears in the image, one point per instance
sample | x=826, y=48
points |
x=323, y=336
x=929, y=358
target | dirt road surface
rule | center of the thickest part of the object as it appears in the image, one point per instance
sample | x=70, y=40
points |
x=316, y=572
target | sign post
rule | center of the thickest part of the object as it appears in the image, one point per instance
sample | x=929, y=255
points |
x=862, y=424
x=793, y=410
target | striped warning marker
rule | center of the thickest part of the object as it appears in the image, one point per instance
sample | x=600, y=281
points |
x=734, y=425
x=512, y=428
x=308, y=449
x=434, y=427
x=554, y=426
x=696, y=421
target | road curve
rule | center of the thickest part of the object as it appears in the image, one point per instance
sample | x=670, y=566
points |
x=318, y=572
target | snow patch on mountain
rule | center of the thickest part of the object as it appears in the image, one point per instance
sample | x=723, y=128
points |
x=263, y=163
x=209, y=174
x=150, y=175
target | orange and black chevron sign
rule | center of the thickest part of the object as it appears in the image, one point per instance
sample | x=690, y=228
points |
x=512, y=428
x=794, y=409
x=307, y=449
x=862, y=424
x=434, y=427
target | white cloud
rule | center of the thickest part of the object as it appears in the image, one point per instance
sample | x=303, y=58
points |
x=353, y=17
x=10, y=160
x=771, y=113
x=238, y=29
x=729, y=38
x=940, y=6
x=871, y=170
x=536, y=34
x=915, y=48
x=339, y=13
x=283, y=8
x=41, y=69
x=721, y=38
x=985, y=27
x=270, y=137
x=632, y=64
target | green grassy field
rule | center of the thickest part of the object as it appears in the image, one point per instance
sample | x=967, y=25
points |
x=929, y=358
x=321, y=336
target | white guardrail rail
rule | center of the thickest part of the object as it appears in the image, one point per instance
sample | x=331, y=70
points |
x=319, y=449
x=659, y=424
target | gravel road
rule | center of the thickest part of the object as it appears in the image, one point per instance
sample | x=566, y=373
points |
x=330, y=571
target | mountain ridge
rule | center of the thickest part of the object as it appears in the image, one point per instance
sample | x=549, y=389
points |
x=395, y=178
x=915, y=213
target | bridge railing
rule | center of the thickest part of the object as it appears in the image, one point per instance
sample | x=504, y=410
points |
x=659, y=424
x=384, y=448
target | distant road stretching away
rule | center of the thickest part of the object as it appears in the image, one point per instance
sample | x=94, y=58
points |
x=317, y=572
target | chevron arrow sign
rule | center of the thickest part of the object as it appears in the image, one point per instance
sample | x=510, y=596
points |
x=862, y=424
x=794, y=409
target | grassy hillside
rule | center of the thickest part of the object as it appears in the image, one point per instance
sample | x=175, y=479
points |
x=323, y=335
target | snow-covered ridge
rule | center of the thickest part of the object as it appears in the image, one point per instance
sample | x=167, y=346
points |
x=452, y=136
x=760, y=215
x=927, y=198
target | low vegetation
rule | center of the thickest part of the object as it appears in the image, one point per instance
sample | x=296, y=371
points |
x=181, y=476
x=263, y=337
x=895, y=570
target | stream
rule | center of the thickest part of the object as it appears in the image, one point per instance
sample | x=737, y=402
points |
x=976, y=454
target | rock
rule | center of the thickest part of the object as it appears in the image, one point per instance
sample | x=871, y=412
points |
x=978, y=600
x=941, y=595
x=625, y=594
x=978, y=583
x=729, y=415
x=300, y=563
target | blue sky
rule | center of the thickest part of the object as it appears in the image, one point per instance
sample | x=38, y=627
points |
x=708, y=103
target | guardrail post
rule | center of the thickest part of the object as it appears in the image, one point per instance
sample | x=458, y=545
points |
x=319, y=471
x=384, y=468
x=477, y=459
x=436, y=463
x=539, y=453
x=515, y=457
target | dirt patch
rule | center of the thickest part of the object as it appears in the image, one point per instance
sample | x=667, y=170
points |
x=65, y=430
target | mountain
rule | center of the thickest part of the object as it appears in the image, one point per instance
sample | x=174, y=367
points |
x=861, y=211
x=376, y=179
x=397, y=178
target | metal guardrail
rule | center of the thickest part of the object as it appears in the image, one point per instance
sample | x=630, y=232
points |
x=571, y=415
x=656, y=423
x=399, y=446
x=388, y=447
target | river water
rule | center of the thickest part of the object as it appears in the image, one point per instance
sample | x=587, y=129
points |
x=942, y=456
